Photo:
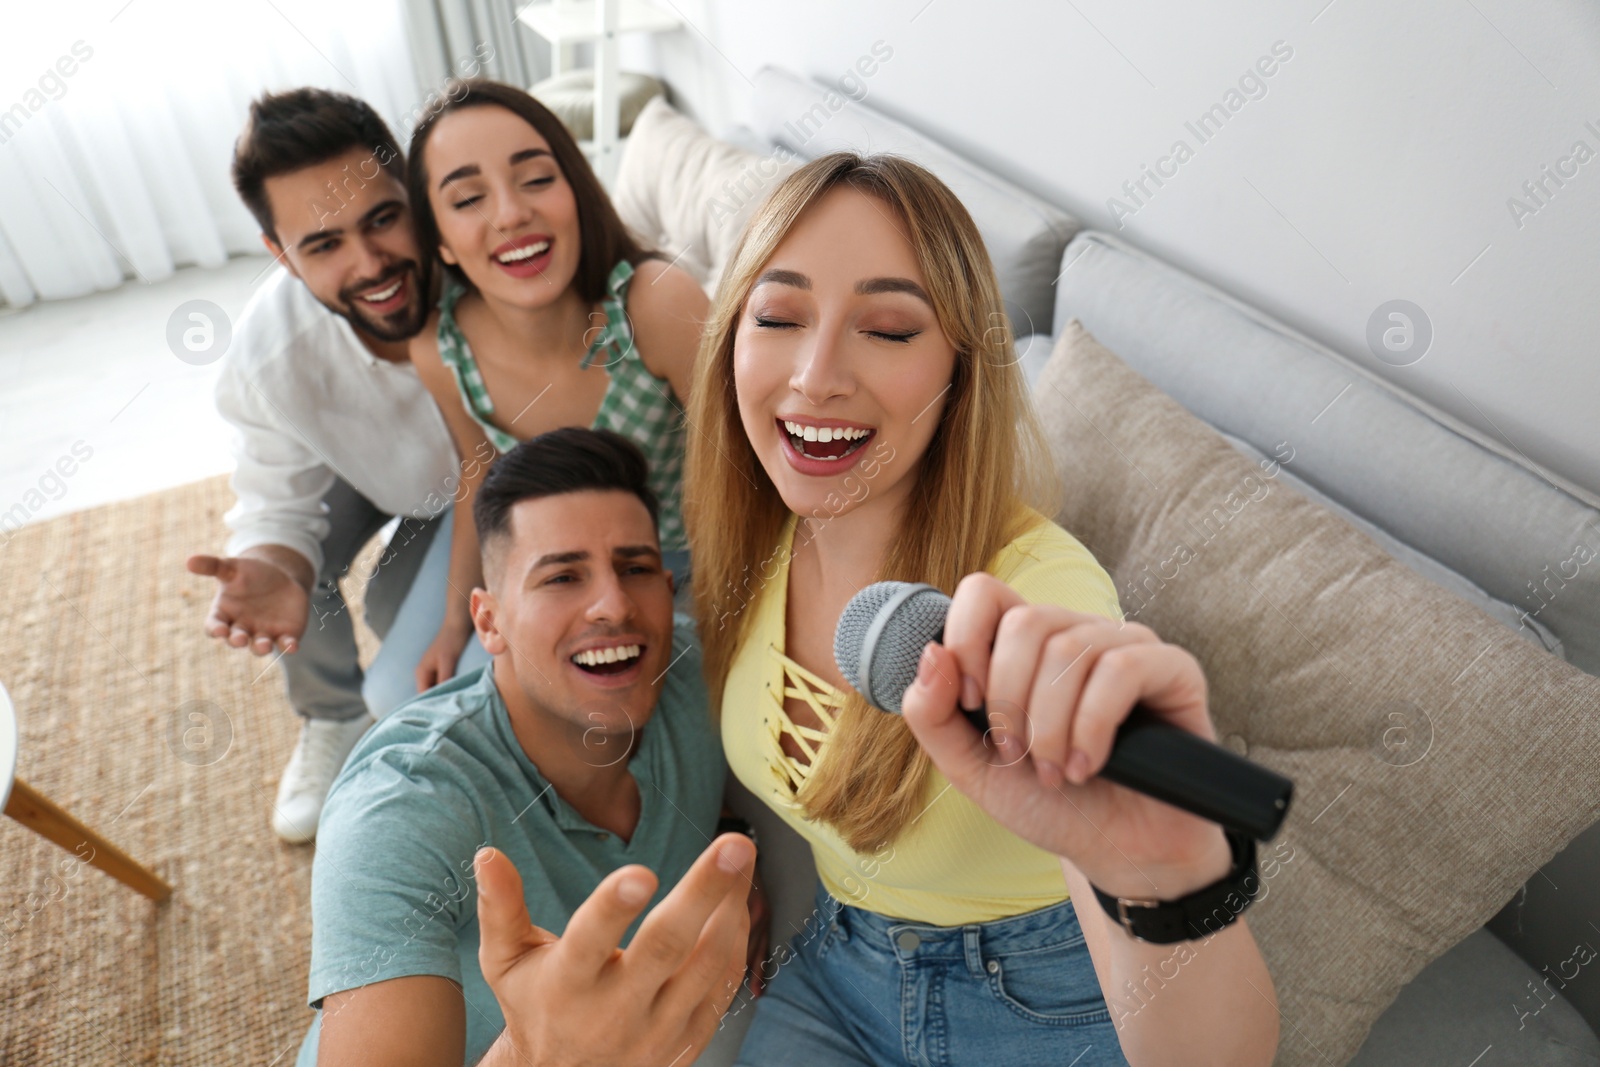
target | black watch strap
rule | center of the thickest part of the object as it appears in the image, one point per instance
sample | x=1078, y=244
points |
x=1201, y=913
x=732, y=824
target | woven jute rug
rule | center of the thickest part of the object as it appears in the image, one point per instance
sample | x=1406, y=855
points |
x=170, y=745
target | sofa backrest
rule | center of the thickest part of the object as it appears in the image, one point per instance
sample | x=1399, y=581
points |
x=1494, y=522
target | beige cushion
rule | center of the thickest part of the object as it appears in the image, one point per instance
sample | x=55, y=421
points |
x=1439, y=759
x=571, y=97
x=688, y=194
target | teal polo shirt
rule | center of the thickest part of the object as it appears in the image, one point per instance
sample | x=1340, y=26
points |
x=392, y=891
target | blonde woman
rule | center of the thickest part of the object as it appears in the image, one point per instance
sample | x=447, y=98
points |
x=860, y=417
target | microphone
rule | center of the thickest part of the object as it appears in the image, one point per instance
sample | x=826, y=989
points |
x=880, y=638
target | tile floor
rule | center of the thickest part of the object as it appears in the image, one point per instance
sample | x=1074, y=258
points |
x=95, y=377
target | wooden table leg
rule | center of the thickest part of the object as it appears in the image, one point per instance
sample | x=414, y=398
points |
x=35, y=811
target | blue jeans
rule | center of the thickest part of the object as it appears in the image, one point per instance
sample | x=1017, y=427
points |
x=391, y=680
x=862, y=988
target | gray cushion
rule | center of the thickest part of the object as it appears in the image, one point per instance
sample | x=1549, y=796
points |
x=1024, y=234
x=1473, y=997
x=1489, y=520
x=1033, y=352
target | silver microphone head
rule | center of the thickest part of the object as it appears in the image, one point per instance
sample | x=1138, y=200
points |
x=881, y=635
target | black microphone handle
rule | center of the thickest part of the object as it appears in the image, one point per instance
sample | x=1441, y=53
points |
x=1151, y=756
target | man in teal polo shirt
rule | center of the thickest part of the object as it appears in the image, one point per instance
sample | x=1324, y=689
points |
x=584, y=747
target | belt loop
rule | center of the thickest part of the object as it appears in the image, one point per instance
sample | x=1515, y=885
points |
x=972, y=949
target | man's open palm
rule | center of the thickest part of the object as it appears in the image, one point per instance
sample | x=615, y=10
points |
x=580, y=999
x=258, y=604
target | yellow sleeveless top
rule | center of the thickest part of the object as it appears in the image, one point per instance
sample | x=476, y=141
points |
x=952, y=864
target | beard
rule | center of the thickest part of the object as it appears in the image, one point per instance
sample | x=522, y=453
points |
x=401, y=325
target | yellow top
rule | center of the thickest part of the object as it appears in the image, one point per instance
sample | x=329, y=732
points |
x=952, y=864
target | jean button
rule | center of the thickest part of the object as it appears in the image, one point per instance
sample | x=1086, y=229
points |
x=908, y=941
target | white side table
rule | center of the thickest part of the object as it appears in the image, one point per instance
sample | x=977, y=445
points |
x=8, y=746
x=35, y=811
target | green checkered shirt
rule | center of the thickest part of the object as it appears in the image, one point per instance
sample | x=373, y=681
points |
x=637, y=404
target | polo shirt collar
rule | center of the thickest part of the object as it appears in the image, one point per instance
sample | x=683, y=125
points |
x=642, y=766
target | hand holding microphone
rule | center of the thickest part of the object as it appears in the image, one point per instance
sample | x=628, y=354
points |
x=1059, y=686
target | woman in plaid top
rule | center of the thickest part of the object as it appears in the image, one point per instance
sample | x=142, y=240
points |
x=551, y=314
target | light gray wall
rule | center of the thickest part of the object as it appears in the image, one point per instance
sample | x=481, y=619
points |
x=1378, y=164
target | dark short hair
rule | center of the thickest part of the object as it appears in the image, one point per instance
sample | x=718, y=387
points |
x=572, y=459
x=292, y=130
x=602, y=237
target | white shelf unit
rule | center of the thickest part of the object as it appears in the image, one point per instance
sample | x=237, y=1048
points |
x=565, y=23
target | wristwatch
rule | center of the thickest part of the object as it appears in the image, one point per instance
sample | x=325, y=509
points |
x=1199, y=914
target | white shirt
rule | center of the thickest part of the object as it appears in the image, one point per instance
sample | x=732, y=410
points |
x=308, y=402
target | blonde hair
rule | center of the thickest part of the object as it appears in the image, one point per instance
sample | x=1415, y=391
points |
x=987, y=463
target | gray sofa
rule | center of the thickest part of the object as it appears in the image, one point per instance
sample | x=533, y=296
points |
x=1458, y=511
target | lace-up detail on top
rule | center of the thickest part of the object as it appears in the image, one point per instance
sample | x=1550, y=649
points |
x=952, y=864
x=824, y=701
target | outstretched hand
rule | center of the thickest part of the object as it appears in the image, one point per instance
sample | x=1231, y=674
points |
x=579, y=998
x=259, y=605
x=1057, y=684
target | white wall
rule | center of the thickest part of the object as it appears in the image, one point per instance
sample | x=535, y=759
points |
x=1378, y=165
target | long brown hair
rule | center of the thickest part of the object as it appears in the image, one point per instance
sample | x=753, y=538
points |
x=986, y=464
x=602, y=235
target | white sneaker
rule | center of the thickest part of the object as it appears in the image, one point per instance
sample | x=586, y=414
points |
x=316, y=762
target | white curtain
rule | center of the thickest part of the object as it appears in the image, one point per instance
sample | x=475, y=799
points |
x=444, y=31
x=117, y=123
